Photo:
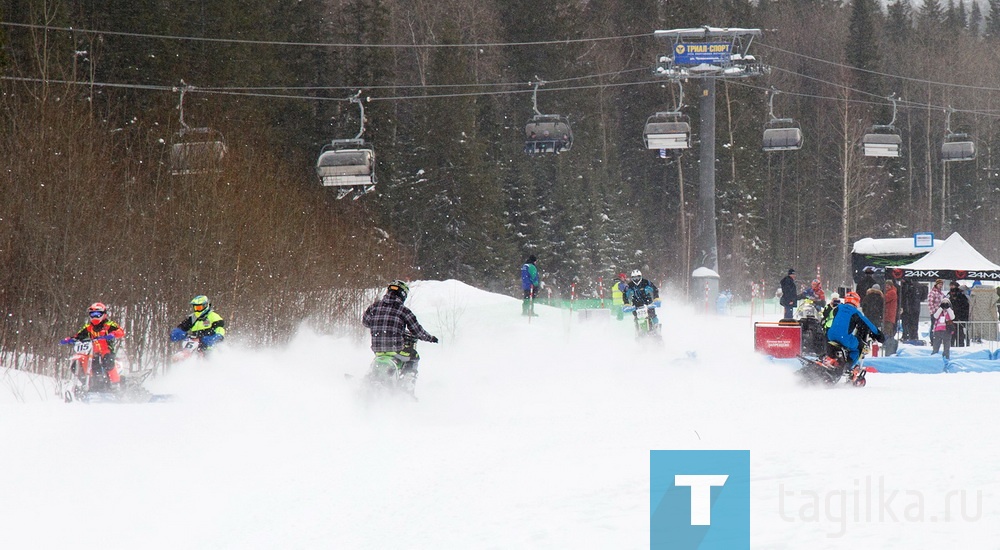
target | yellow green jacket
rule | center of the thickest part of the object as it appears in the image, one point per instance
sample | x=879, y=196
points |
x=204, y=324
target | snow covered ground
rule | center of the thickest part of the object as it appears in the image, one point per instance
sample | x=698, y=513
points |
x=526, y=436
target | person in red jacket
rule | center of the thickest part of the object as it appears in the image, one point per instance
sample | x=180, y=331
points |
x=890, y=310
x=104, y=333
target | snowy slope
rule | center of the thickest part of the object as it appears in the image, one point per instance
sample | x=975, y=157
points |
x=526, y=436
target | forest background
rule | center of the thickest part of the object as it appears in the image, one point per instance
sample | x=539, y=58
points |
x=89, y=111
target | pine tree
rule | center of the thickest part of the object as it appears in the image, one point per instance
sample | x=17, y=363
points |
x=863, y=47
x=900, y=21
x=993, y=20
x=930, y=16
x=976, y=20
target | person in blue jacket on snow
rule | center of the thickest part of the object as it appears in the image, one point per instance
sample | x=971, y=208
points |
x=849, y=323
x=530, y=284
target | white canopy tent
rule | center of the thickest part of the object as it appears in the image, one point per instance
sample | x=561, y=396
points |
x=953, y=259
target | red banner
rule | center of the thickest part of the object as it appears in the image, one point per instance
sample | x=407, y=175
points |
x=779, y=340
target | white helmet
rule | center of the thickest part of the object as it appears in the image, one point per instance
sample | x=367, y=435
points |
x=636, y=276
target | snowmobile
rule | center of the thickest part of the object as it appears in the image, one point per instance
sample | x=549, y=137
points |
x=832, y=367
x=89, y=383
x=644, y=325
x=189, y=347
x=387, y=375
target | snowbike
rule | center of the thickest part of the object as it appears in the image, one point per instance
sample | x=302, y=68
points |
x=644, y=325
x=90, y=383
x=831, y=368
x=189, y=347
x=387, y=374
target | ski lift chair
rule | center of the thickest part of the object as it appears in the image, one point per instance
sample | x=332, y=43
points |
x=782, y=134
x=548, y=134
x=958, y=147
x=200, y=155
x=667, y=131
x=346, y=163
x=882, y=141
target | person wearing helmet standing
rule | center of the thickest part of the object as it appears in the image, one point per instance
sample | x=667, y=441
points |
x=204, y=323
x=390, y=323
x=850, y=325
x=104, y=333
x=640, y=292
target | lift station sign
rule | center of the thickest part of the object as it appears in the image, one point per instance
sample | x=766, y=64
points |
x=694, y=54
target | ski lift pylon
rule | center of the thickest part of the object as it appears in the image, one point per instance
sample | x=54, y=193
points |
x=957, y=147
x=195, y=150
x=348, y=164
x=883, y=140
x=781, y=134
x=546, y=133
x=670, y=129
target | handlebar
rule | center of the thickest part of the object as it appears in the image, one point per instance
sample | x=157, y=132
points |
x=651, y=305
x=71, y=340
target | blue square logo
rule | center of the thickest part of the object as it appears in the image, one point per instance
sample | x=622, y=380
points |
x=699, y=500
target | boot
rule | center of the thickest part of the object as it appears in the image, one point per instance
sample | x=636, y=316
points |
x=409, y=382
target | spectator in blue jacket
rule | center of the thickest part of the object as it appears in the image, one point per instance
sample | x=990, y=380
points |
x=530, y=285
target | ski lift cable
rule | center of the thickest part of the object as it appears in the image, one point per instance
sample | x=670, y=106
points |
x=905, y=103
x=470, y=45
x=426, y=86
x=211, y=91
x=879, y=73
x=902, y=102
x=318, y=44
x=657, y=81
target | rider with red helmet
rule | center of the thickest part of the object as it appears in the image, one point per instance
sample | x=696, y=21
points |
x=104, y=333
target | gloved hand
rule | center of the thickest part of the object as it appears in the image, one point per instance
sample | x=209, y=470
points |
x=211, y=340
x=67, y=341
x=108, y=337
x=434, y=339
x=880, y=337
x=176, y=335
x=656, y=303
x=628, y=309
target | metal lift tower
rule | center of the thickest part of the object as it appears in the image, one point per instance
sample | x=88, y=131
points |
x=707, y=54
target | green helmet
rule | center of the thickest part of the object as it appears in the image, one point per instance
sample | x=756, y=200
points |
x=200, y=304
x=399, y=288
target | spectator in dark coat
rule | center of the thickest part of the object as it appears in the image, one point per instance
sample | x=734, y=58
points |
x=873, y=305
x=891, y=309
x=960, y=305
x=789, y=293
x=909, y=308
x=865, y=283
x=998, y=302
